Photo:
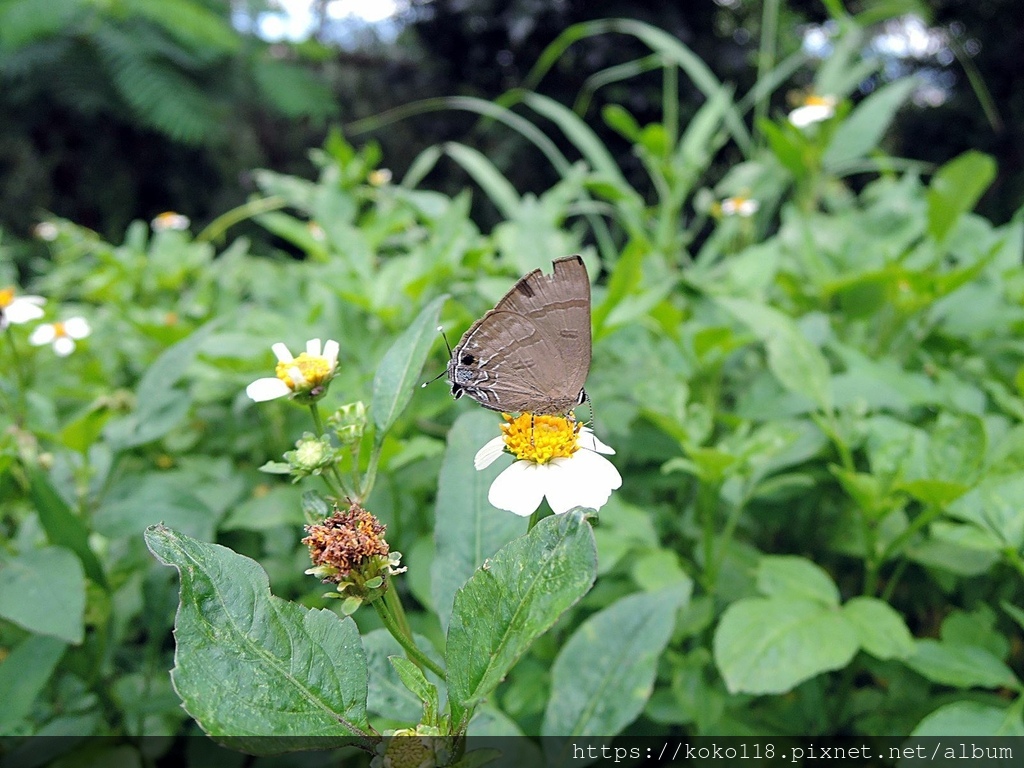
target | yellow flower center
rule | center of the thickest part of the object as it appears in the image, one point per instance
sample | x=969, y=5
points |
x=315, y=370
x=819, y=101
x=408, y=751
x=6, y=297
x=541, y=438
x=59, y=330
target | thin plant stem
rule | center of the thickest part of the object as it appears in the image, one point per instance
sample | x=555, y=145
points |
x=395, y=607
x=766, y=54
x=416, y=656
x=371, y=468
x=706, y=495
x=342, y=488
x=19, y=373
x=1014, y=559
x=897, y=574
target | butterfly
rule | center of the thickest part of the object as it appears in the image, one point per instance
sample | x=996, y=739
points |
x=531, y=353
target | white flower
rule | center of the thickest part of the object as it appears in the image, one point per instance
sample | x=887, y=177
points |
x=814, y=109
x=305, y=377
x=61, y=335
x=557, y=459
x=46, y=230
x=169, y=220
x=19, y=309
x=739, y=206
x=379, y=177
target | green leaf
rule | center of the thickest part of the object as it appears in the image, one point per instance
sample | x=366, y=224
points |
x=865, y=126
x=994, y=506
x=961, y=666
x=400, y=368
x=957, y=448
x=621, y=121
x=880, y=629
x=23, y=674
x=147, y=498
x=387, y=696
x=292, y=89
x=161, y=406
x=771, y=645
x=511, y=601
x=63, y=528
x=797, y=364
x=43, y=590
x=485, y=173
x=971, y=718
x=955, y=188
x=604, y=675
x=250, y=665
x=467, y=529
x=283, y=505
x=795, y=577
x=413, y=679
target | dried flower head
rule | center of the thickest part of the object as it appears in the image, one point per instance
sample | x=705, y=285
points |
x=349, y=549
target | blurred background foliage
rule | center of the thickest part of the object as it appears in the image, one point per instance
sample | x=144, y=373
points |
x=111, y=112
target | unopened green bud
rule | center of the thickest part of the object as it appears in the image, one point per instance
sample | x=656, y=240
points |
x=349, y=422
x=310, y=456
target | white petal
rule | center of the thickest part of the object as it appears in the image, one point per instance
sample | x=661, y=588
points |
x=298, y=380
x=24, y=308
x=586, y=479
x=810, y=113
x=492, y=450
x=43, y=334
x=313, y=347
x=269, y=388
x=282, y=353
x=520, y=488
x=77, y=327
x=587, y=439
x=63, y=346
x=331, y=349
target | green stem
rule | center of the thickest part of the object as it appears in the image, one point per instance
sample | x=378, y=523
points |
x=919, y=522
x=766, y=55
x=416, y=656
x=730, y=528
x=1014, y=559
x=395, y=607
x=371, y=469
x=19, y=373
x=342, y=488
x=318, y=422
x=897, y=574
x=706, y=495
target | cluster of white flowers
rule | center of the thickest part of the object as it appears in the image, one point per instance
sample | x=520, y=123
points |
x=16, y=310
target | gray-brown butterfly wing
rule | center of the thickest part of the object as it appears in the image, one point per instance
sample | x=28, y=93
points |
x=532, y=351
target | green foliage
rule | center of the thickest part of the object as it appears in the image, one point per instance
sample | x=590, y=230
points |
x=815, y=408
x=231, y=628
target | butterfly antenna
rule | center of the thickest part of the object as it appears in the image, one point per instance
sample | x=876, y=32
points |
x=590, y=407
x=449, y=348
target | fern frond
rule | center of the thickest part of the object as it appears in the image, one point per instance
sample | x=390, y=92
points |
x=190, y=23
x=161, y=96
x=23, y=22
x=292, y=90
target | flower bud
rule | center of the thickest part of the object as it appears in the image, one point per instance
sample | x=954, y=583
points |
x=349, y=422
